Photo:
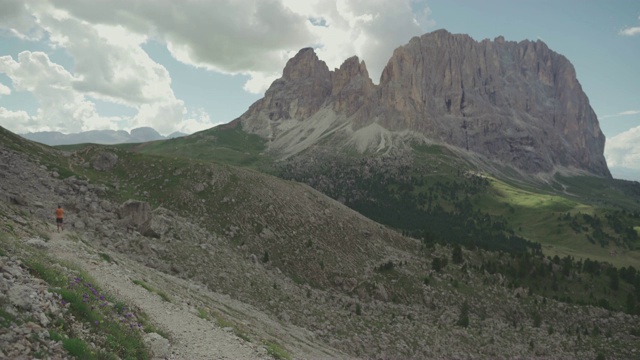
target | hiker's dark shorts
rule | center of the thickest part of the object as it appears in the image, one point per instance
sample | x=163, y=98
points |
x=59, y=221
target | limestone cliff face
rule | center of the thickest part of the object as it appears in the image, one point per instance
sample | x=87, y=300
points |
x=517, y=103
x=352, y=87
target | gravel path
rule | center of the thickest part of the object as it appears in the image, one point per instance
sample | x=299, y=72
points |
x=191, y=337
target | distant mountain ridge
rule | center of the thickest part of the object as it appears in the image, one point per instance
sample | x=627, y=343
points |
x=105, y=137
x=518, y=104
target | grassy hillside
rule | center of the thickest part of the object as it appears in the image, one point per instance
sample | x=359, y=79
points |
x=42, y=154
x=432, y=195
x=224, y=144
x=432, y=192
x=568, y=225
x=436, y=196
x=440, y=202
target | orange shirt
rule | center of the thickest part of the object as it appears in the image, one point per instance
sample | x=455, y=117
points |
x=59, y=213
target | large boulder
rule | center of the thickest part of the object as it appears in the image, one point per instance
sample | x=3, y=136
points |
x=104, y=161
x=159, y=346
x=161, y=220
x=136, y=215
x=21, y=296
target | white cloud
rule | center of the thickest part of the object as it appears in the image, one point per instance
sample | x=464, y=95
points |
x=109, y=65
x=259, y=82
x=4, y=90
x=257, y=37
x=250, y=37
x=196, y=120
x=370, y=29
x=16, y=121
x=631, y=31
x=61, y=107
x=623, y=150
x=232, y=37
x=16, y=19
x=630, y=112
x=623, y=113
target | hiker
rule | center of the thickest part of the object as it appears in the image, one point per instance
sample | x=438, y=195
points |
x=60, y=218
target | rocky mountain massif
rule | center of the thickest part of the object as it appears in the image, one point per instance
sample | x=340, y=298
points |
x=280, y=263
x=137, y=135
x=518, y=104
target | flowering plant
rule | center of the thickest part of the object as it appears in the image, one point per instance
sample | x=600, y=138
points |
x=99, y=308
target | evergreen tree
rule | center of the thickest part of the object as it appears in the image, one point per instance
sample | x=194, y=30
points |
x=463, y=320
x=456, y=256
x=436, y=264
x=614, y=279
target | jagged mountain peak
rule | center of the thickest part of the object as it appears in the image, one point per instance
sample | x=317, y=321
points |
x=305, y=64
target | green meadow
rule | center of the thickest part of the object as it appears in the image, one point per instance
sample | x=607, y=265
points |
x=540, y=217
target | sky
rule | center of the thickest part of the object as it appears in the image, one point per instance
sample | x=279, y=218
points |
x=78, y=65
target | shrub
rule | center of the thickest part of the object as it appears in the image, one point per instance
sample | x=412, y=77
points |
x=277, y=351
x=436, y=264
x=77, y=348
x=463, y=320
x=456, y=256
x=388, y=266
x=537, y=319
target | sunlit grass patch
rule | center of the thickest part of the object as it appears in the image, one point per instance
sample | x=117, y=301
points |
x=237, y=330
x=518, y=197
x=203, y=314
x=106, y=257
x=6, y=318
x=277, y=351
x=151, y=289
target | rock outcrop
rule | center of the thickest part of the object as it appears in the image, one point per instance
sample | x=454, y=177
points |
x=516, y=103
x=27, y=300
x=105, y=161
x=137, y=215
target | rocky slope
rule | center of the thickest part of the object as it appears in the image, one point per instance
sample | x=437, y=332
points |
x=201, y=324
x=514, y=103
x=281, y=263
